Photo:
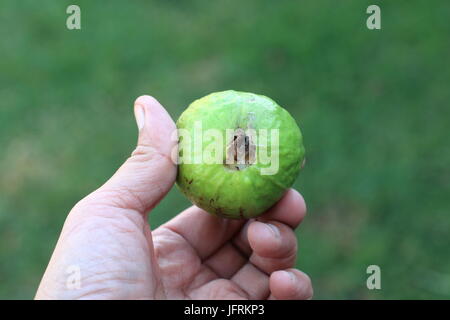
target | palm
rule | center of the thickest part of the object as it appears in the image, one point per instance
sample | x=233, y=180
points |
x=204, y=257
x=199, y=256
x=189, y=270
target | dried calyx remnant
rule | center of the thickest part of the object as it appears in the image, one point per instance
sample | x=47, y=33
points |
x=240, y=151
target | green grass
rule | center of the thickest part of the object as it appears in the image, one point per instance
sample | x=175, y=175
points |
x=372, y=105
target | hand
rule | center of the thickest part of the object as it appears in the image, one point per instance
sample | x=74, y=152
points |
x=106, y=242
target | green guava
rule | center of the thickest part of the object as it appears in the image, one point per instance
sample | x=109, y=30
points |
x=238, y=153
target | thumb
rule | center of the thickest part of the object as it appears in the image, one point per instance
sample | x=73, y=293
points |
x=149, y=173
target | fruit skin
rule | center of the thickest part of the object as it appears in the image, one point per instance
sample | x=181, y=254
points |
x=245, y=193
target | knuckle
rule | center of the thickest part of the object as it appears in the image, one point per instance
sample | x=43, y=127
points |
x=146, y=153
x=120, y=197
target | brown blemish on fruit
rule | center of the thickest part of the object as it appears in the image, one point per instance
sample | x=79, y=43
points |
x=190, y=181
x=220, y=212
x=241, y=212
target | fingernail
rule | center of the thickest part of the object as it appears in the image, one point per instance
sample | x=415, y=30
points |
x=273, y=229
x=140, y=116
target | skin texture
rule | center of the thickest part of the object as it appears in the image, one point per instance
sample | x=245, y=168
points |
x=244, y=193
x=193, y=256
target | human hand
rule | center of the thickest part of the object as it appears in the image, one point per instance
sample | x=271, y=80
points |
x=106, y=237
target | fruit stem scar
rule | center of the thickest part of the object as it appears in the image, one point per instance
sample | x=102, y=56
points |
x=240, y=151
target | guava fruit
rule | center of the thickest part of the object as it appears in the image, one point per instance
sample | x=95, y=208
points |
x=238, y=153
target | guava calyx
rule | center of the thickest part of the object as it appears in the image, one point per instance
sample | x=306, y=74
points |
x=241, y=151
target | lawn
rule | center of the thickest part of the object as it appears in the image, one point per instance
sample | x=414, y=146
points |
x=373, y=106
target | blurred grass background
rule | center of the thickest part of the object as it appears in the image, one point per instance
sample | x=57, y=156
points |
x=372, y=105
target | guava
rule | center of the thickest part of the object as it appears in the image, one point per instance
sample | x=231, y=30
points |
x=238, y=153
